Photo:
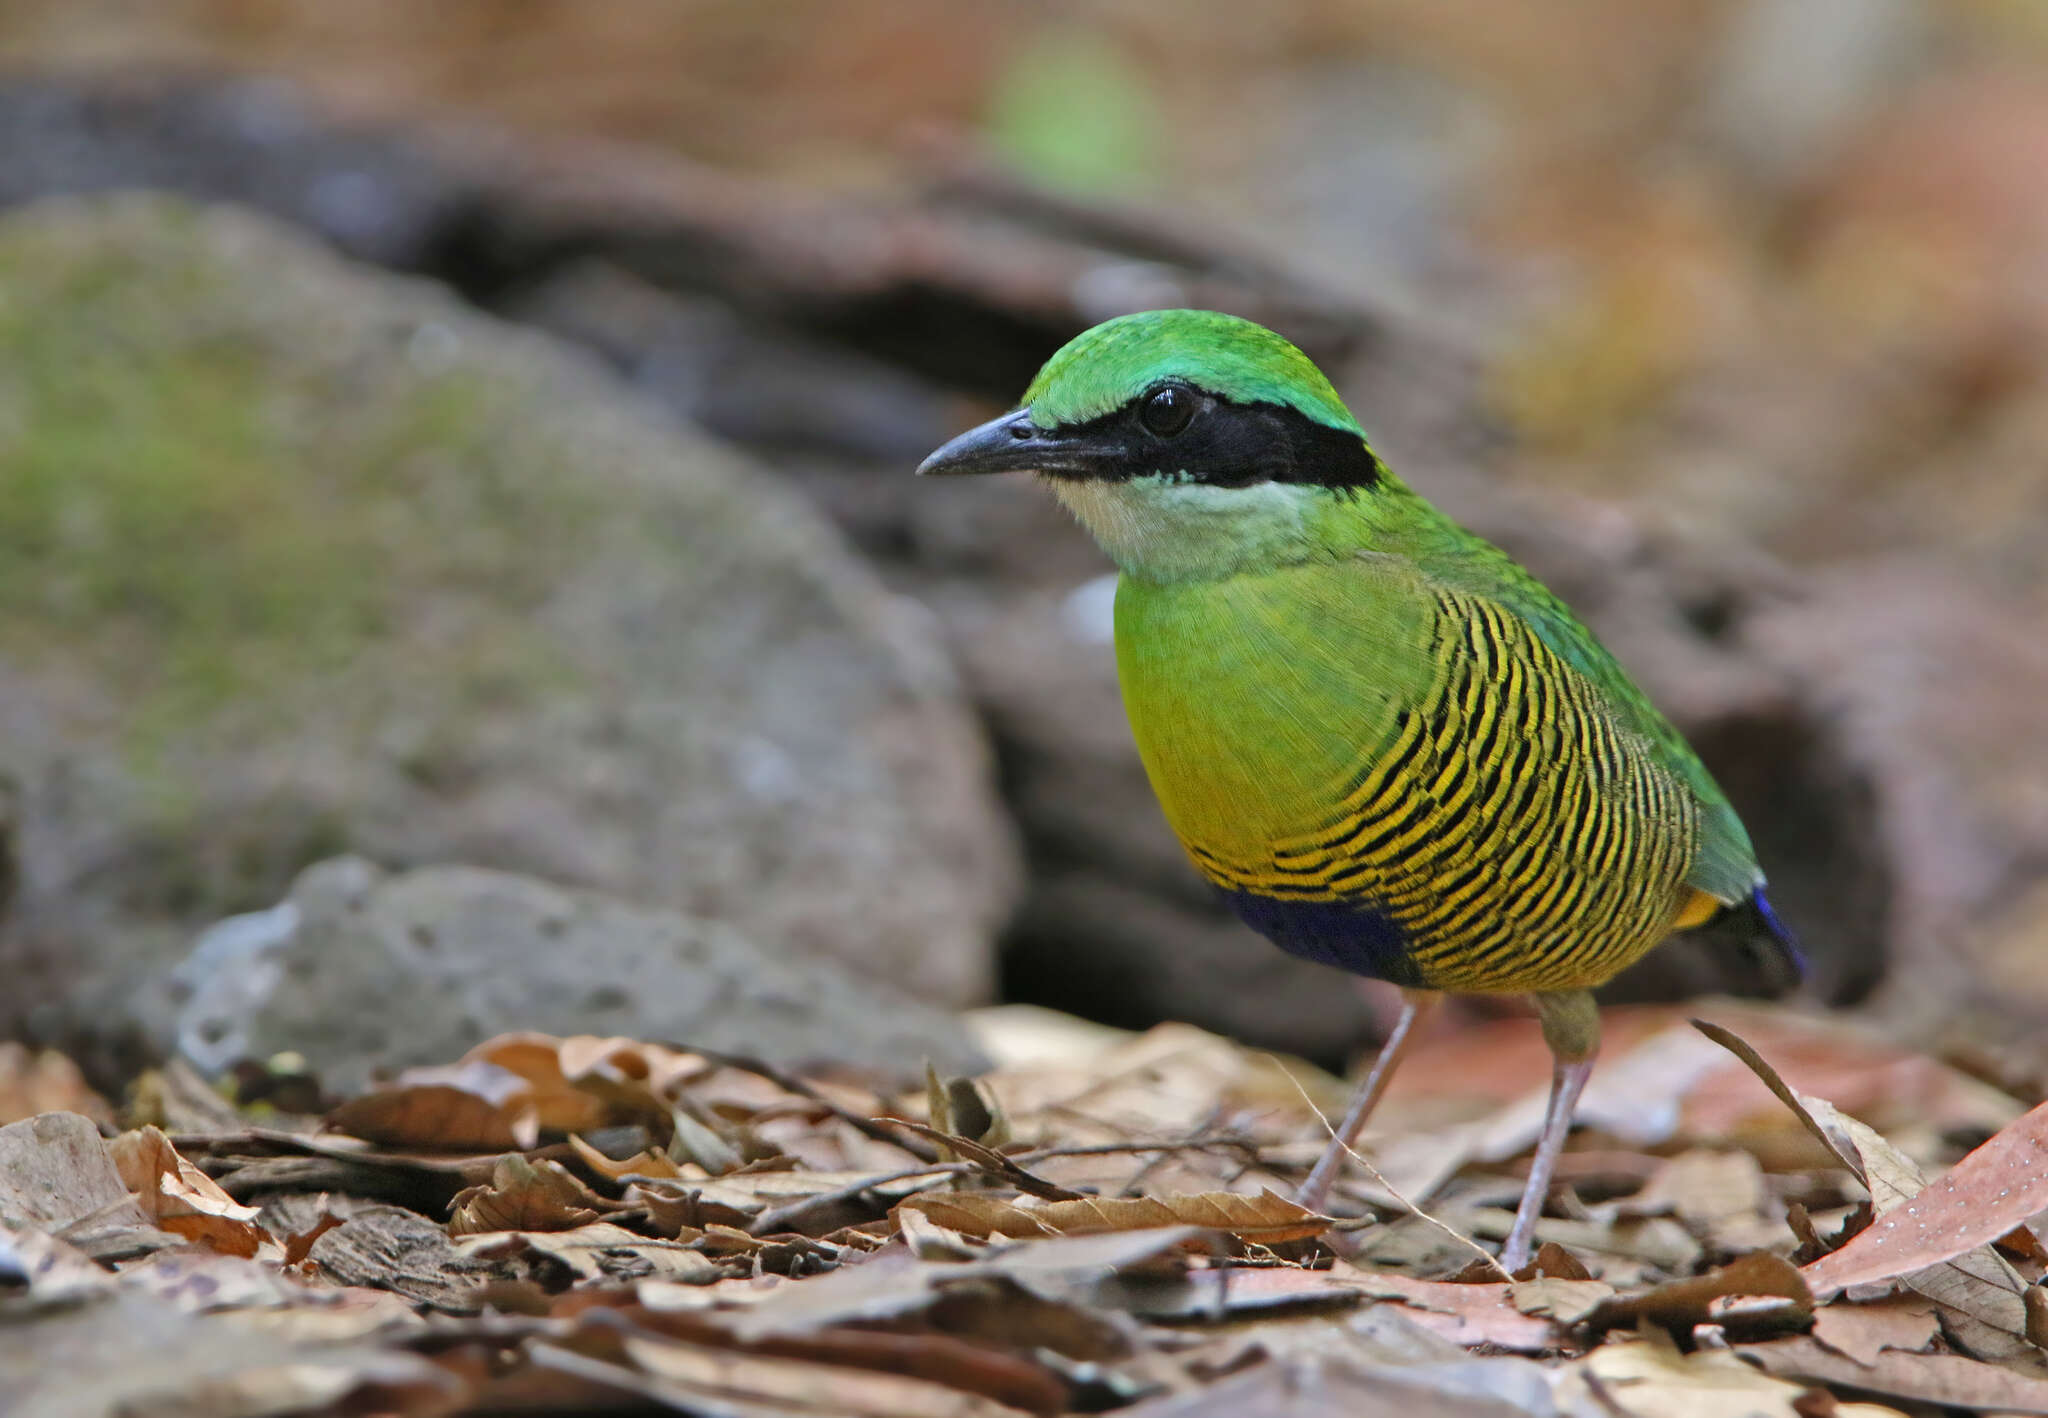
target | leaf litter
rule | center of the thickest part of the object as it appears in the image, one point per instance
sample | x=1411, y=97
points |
x=1102, y=1223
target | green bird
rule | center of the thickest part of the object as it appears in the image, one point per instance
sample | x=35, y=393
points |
x=1388, y=746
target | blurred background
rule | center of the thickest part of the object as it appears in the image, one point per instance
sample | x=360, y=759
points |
x=481, y=433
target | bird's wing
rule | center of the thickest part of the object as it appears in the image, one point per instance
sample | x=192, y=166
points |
x=1725, y=865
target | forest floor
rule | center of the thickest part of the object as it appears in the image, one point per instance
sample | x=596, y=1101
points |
x=1770, y=1214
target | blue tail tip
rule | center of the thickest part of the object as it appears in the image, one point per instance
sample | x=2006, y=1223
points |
x=1780, y=932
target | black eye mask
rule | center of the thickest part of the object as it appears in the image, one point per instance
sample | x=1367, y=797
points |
x=1174, y=428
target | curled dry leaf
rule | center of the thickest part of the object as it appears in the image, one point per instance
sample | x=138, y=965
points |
x=1756, y=1293
x=524, y=1196
x=628, y=1069
x=557, y=1104
x=180, y=1198
x=1978, y=1201
x=1265, y=1219
x=1981, y=1295
x=658, y=1165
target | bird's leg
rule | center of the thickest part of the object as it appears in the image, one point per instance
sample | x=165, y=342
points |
x=1571, y=1027
x=1415, y=1006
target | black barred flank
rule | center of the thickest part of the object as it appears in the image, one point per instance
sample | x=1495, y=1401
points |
x=1508, y=833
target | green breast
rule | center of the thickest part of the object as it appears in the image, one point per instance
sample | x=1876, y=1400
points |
x=1352, y=732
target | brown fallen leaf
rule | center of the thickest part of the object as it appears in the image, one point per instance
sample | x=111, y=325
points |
x=1652, y=1378
x=56, y=1175
x=177, y=1197
x=599, y=1250
x=524, y=1196
x=991, y=1366
x=658, y=1165
x=1948, y=1380
x=44, y=1081
x=558, y=1105
x=1862, y=1332
x=468, y=1107
x=391, y=1248
x=299, y=1244
x=1706, y=1189
x=1334, y=1385
x=1981, y=1295
x=629, y=1070
x=1265, y=1219
x=54, y=1273
x=1466, y=1314
x=1566, y=1301
x=1979, y=1200
x=1756, y=1293
x=697, y=1379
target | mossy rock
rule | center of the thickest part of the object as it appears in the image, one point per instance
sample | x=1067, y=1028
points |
x=298, y=558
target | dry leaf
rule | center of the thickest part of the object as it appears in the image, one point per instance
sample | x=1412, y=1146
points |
x=1980, y=1293
x=1706, y=1189
x=1466, y=1314
x=468, y=1107
x=1655, y=1381
x=56, y=1274
x=1758, y=1292
x=45, y=1081
x=558, y=1106
x=1945, y=1380
x=524, y=1196
x=658, y=1165
x=1906, y=1322
x=994, y=1373
x=57, y=1176
x=1566, y=1301
x=600, y=1250
x=181, y=1199
x=1978, y=1201
x=1265, y=1219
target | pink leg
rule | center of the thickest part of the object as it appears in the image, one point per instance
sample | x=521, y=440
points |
x=1416, y=1005
x=1571, y=1027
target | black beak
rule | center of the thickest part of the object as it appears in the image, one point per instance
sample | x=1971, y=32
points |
x=1013, y=444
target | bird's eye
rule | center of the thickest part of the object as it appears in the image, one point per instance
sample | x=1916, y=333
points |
x=1168, y=409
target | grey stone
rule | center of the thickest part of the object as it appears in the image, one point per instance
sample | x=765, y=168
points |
x=365, y=972
x=298, y=559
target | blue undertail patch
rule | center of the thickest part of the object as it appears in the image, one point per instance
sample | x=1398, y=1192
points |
x=1780, y=933
x=1351, y=937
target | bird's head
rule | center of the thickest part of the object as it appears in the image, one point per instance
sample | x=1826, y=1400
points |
x=1192, y=444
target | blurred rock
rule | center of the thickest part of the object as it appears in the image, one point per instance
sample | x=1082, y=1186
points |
x=1934, y=693
x=258, y=142
x=364, y=973
x=1793, y=76
x=323, y=561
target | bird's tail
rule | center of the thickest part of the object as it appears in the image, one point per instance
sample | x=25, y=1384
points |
x=1765, y=942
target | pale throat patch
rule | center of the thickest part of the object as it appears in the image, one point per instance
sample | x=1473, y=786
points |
x=1170, y=529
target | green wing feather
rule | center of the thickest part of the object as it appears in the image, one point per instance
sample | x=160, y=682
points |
x=1725, y=866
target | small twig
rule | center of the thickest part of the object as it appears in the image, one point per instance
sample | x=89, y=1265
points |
x=1492, y=1261
x=991, y=1162
x=1110, y=1149
x=1602, y=1395
x=780, y=1218
x=875, y=1128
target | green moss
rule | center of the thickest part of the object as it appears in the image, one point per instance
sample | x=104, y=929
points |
x=199, y=494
